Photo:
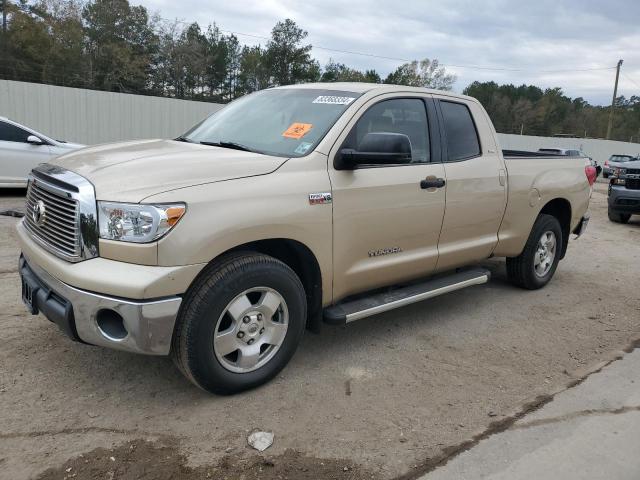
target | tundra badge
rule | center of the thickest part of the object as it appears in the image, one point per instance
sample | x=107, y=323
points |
x=384, y=251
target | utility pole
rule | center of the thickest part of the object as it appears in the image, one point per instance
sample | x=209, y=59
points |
x=613, y=102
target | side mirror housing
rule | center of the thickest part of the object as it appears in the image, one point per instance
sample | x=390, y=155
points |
x=378, y=148
x=33, y=140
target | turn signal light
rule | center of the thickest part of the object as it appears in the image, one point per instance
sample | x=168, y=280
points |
x=174, y=214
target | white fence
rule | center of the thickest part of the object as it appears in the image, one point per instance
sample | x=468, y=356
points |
x=90, y=117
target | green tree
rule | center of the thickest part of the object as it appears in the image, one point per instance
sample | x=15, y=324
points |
x=120, y=41
x=254, y=70
x=339, y=72
x=218, y=59
x=425, y=73
x=27, y=43
x=288, y=60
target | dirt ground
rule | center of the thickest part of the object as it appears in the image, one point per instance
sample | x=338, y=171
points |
x=384, y=397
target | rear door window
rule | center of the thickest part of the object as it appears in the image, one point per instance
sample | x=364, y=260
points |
x=462, y=136
x=11, y=133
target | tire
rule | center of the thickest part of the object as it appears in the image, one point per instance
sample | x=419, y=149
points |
x=528, y=270
x=618, y=217
x=246, y=300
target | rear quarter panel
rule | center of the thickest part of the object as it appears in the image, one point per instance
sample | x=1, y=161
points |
x=532, y=183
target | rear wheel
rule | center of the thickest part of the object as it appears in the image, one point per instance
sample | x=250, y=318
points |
x=618, y=217
x=537, y=263
x=240, y=324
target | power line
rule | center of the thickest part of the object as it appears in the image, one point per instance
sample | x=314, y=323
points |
x=507, y=69
x=631, y=80
x=406, y=60
x=471, y=67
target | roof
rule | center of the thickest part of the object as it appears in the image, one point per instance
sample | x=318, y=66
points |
x=358, y=87
x=342, y=86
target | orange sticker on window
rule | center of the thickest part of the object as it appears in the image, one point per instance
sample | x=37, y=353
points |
x=297, y=130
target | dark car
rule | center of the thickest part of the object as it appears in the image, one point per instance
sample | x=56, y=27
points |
x=614, y=162
x=624, y=192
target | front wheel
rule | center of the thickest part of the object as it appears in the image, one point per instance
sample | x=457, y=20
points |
x=618, y=217
x=240, y=323
x=537, y=263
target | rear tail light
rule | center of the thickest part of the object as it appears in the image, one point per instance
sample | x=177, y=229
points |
x=591, y=173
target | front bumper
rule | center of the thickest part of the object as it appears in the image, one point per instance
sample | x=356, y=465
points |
x=139, y=326
x=624, y=200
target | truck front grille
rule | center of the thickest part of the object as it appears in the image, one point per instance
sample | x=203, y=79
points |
x=633, y=183
x=52, y=218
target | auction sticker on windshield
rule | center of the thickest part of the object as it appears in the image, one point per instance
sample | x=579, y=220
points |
x=334, y=100
x=297, y=130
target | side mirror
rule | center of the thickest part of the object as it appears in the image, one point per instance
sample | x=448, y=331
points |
x=33, y=140
x=376, y=148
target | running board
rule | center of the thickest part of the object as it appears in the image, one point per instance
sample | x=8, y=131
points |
x=382, y=302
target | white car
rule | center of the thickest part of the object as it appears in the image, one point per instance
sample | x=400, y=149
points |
x=21, y=149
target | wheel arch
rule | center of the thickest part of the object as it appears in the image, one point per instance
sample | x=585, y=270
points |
x=560, y=208
x=301, y=259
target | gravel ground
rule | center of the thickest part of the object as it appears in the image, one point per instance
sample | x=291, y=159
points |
x=382, y=398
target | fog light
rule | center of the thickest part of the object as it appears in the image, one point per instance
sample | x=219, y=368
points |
x=111, y=325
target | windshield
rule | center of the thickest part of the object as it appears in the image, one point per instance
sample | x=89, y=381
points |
x=621, y=158
x=286, y=122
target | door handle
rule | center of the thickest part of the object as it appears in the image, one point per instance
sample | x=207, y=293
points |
x=432, y=182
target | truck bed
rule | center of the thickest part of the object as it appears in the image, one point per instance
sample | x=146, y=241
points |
x=524, y=153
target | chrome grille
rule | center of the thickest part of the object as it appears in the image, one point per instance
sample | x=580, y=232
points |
x=52, y=217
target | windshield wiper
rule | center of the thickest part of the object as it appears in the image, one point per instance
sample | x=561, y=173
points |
x=233, y=145
x=183, y=139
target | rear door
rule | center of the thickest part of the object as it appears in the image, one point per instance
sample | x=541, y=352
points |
x=476, y=194
x=385, y=223
x=17, y=157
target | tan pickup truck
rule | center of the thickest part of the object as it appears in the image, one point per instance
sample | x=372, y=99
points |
x=288, y=207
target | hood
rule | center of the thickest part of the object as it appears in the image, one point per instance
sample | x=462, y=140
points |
x=69, y=145
x=132, y=171
x=634, y=164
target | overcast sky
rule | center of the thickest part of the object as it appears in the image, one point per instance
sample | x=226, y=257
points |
x=536, y=37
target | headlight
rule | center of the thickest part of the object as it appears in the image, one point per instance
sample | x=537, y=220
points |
x=137, y=222
x=620, y=171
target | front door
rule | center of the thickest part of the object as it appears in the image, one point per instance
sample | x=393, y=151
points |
x=387, y=216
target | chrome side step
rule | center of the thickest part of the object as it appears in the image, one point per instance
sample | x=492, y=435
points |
x=343, y=313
